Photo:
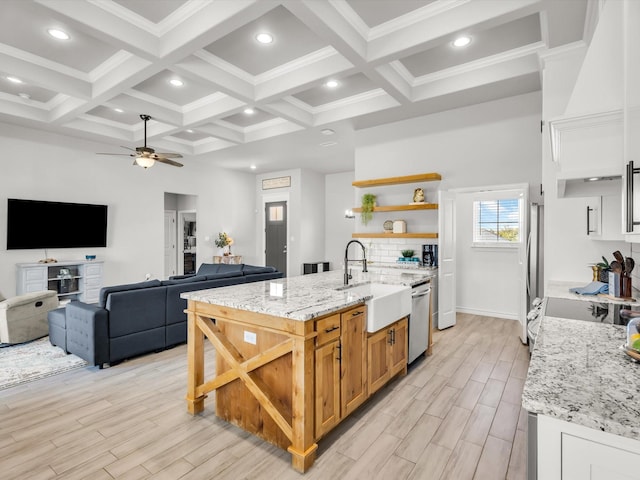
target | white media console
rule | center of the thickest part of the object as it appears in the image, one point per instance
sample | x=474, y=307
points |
x=73, y=280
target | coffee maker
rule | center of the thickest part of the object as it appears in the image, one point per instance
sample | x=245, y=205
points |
x=429, y=255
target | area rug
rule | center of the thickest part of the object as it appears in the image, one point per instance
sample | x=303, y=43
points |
x=33, y=360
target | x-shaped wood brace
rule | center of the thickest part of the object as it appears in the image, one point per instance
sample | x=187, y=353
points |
x=244, y=370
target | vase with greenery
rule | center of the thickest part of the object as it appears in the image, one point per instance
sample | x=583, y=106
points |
x=368, y=202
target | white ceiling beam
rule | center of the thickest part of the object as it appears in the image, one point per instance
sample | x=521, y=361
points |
x=222, y=132
x=220, y=79
x=363, y=104
x=325, y=21
x=272, y=130
x=15, y=110
x=289, y=112
x=45, y=77
x=134, y=103
x=221, y=107
x=430, y=31
x=102, y=24
x=212, y=146
x=303, y=78
x=492, y=73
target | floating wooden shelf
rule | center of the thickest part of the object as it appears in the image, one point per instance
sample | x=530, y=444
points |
x=397, y=208
x=394, y=235
x=378, y=182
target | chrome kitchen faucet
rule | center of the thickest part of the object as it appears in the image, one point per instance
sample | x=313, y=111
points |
x=347, y=275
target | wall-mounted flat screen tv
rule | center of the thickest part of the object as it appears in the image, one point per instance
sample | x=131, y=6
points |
x=38, y=224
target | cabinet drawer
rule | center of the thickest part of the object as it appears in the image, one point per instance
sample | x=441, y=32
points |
x=328, y=329
x=35, y=274
x=92, y=270
x=93, y=282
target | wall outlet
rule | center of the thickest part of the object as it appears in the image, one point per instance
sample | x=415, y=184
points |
x=250, y=337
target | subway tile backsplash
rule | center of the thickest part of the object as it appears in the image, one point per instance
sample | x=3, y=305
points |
x=387, y=250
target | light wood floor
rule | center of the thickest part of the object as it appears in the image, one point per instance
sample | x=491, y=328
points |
x=456, y=415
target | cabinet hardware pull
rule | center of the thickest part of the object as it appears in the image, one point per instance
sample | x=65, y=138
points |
x=393, y=336
x=327, y=330
x=356, y=313
x=589, y=210
x=339, y=347
x=390, y=333
x=631, y=171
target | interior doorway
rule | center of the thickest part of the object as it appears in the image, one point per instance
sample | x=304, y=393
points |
x=276, y=235
x=170, y=266
x=183, y=233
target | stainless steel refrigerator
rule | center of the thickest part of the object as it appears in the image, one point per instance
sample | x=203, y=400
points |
x=535, y=253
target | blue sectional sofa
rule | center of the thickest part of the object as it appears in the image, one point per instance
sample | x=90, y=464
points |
x=134, y=319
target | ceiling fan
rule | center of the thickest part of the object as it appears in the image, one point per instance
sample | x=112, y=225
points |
x=145, y=156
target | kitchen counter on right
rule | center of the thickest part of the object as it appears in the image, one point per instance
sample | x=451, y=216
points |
x=578, y=374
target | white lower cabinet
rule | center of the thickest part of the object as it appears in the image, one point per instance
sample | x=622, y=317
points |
x=567, y=451
x=81, y=280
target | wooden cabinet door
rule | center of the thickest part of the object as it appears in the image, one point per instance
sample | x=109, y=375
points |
x=354, y=359
x=378, y=371
x=327, y=401
x=399, y=348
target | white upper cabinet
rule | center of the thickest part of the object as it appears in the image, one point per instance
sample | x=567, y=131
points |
x=631, y=192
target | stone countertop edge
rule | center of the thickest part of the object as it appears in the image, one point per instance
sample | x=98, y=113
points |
x=303, y=297
x=577, y=373
x=560, y=289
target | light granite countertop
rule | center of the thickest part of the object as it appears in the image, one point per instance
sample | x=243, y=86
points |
x=304, y=297
x=578, y=374
x=560, y=289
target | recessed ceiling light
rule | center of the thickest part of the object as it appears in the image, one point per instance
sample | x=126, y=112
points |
x=14, y=79
x=594, y=179
x=26, y=96
x=118, y=110
x=253, y=167
x=327, y=131
x=332, y=83
x=249, y=111
x=176, y=82
x=264, y=38
x=462, y=41
x=328, y=144
x=59, y=34
x=189, y=130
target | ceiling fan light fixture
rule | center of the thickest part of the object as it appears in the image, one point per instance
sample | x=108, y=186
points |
x=264, y=38
x=145, y=162
x=462, y=41
x=59, y=34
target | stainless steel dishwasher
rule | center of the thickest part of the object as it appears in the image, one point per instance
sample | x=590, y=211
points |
x=419, y=320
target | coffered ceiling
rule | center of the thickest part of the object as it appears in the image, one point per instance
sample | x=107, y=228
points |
x=391, y=59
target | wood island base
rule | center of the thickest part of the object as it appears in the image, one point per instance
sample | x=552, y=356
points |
x=288, y=381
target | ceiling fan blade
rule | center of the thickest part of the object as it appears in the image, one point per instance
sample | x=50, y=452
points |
x=128, y=148
x=168, y=162
x=120, y=154
x=168, y=155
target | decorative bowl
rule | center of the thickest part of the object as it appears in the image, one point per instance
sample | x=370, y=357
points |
x=90, y=257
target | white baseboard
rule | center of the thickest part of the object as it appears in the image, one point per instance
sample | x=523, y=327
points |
x=487, y=313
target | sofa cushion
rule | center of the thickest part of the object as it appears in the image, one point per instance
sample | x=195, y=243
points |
x=136, y=310
x=252, y=269
x=218, y=276
x=106, y=291
x=208, y=268
x=178, y=281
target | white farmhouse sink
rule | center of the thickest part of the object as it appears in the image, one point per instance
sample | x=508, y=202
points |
x=388, y=303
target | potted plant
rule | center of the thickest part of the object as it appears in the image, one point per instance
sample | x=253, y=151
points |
x=368, y=202
x=223, y=241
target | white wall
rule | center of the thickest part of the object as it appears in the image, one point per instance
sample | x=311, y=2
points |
x=494, y=143
x=485, y=276
x=312, y=219
x=60, y=168
x=571, y=87
x=339, y=197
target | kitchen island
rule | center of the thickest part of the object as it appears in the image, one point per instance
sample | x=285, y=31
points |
x=293, y=356
x=585, y=393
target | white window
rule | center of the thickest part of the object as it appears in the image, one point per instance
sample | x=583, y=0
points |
x=497, y=221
